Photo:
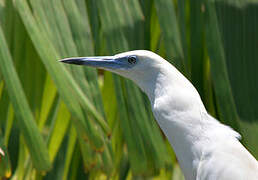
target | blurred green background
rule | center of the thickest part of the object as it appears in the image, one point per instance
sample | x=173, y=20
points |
x=65, y=122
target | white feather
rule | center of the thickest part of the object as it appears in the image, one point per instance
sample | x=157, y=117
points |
x=205, y=148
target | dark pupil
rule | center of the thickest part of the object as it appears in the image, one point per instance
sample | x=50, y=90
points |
x=131, y=60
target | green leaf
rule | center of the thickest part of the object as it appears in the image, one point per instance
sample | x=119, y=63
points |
x=5, y=164
x=60, y=128
x=197, y=41
x=60, y=75
x=70, y=152
x=112, y=133
x=170, y=32
x=32, y=137
x=241, y=58
x=49, y=94
x=223, y=92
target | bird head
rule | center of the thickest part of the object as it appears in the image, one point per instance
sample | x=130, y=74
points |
x=139, y=65
x=153, y=74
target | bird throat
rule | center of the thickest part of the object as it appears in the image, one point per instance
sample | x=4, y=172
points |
x=177, y=107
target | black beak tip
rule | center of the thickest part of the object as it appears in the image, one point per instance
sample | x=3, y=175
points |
x=61, y=60
x=71, y=61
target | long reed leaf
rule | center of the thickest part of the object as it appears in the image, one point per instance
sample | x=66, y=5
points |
x=32, y=137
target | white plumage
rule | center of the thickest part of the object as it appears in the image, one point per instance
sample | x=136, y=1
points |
x=205, y=148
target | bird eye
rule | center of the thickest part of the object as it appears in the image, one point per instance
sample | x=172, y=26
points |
x=131, y=59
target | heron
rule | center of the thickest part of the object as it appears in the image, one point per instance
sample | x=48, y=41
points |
x=205, y=148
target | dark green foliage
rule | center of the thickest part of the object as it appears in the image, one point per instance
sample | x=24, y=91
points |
x=68, y=122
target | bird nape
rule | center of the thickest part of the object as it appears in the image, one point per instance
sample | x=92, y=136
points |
x=205, y=148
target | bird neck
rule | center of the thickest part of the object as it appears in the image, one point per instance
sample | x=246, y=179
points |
x=177, y=108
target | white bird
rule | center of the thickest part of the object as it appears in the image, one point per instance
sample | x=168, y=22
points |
x=205, y=148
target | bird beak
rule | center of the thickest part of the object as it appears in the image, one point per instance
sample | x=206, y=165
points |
x=102, y=62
